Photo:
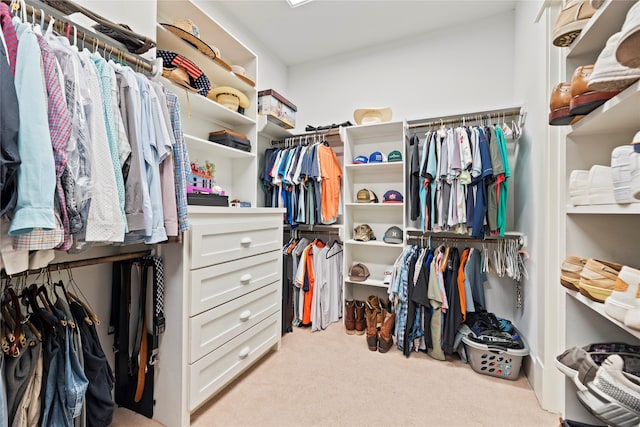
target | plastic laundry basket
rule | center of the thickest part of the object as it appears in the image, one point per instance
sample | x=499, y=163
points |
x=493, y=360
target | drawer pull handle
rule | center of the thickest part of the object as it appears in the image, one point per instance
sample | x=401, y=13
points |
x=244, y=352
x=246, y=241
x=246, y=278
x=244, y=316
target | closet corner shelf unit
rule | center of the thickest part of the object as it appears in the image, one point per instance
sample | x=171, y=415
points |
x=590, y=231
x=266, y=127
x=377, y=255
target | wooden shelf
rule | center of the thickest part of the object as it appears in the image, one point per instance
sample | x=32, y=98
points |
x=207, y=109
x=369, y=282
x=200, y=144
x=266, y=127
x=216, y=73
x=599, y=308
x=619, y=114
x=605, y=22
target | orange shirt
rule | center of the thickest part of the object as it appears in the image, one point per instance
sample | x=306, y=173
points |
x=331, y=180
x=308, y=296
x=461, y=290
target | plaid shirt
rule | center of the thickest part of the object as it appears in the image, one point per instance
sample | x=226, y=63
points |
x=181, y=161
x=9, y=33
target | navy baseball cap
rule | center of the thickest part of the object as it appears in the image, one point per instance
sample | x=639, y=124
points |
x=392, y=196
x=377, y=157
x=360, y=160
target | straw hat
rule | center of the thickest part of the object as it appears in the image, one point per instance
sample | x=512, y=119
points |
x=241, y=73
x=183, y=72
x=230, y=97
x=188, y=31
x=368, y=116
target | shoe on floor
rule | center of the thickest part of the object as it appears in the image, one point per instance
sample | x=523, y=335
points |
x=628, y=47
x=601, y=186
x=570, y=272
x=349, y=317
x=608, y=74
x=572, y=19
x=360, y=322
x=621, y=173
x=625, y=294
x=579, y=187
x=613, y=396
x=598, y=279
x=583, y=99
x=559, y=105
x=629, y=353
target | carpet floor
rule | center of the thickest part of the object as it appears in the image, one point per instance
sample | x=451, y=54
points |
x=329, y=378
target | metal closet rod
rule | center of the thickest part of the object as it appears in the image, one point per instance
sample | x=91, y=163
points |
x=300, y=137
x=470, y=117
x=436, y=236
x=64, y=26
x=82, y=263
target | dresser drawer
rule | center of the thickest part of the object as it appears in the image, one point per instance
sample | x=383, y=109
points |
x=232, y=237
x=215, y=370
x=211, y=286
x=211, y=329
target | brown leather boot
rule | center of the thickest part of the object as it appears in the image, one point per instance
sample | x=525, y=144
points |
x=350, y=317
x=385, y=340
x=373, y=303
x=360, y=322
x=372, y=330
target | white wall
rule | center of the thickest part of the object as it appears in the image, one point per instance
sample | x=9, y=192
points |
x=455, y=70
x=532, y=84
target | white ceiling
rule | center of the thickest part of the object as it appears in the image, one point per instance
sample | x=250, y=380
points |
x=325, y=28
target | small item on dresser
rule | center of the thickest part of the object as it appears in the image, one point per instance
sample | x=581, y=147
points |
x=271, y=103
x=236, y=203
x=230, y=97
x=204, y=199
x=231, y=139
x=188, y=31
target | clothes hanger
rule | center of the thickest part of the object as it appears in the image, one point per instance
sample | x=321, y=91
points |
x=91, y=317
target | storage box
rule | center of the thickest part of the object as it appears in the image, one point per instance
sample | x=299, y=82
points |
x=207, y=199
x=231, y=139
x=495, y=361
x=271, y=103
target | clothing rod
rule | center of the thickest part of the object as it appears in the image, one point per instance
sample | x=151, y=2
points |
x=311, y=135
x=83, y=263
x=439, y=236
x=87, y=37
x=328, y=232
x=468, y=117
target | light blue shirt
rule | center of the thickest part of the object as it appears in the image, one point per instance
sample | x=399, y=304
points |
x=152, y=159
x=37, y=176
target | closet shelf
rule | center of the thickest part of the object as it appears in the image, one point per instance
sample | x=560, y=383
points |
x=630, y=209
x=373, y=134
x=217, y=74
x=375, y=206
x=265, y=126
x=207, y=109
x=599, y=308
x=606, y=21
x=369, y=282
x=212, y=148
x=376, y=168
x=618, y=114
x=371, y=243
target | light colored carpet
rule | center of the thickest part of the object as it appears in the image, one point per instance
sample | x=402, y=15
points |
x=329, y=378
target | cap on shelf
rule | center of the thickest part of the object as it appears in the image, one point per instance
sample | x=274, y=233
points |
x=392, y=196
x=393, y=235
x=394, y=156
x=358, y=272
x=360, y=160
x=366, y=196
x=377, y=157
x=363, y=233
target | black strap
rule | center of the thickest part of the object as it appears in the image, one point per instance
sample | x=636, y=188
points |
x=142, y=312
x=158, y=304
x=121, y=280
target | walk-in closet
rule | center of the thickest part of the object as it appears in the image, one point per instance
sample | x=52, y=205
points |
x=308, y=212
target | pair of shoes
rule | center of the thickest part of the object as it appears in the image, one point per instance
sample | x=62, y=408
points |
x=598, y=278
x=624, y=302
x=592, y=187
x=627, y=49
x=572, y=19
x=614, y=395
x=354, y=317
x=570, y=272
x=608, y=74
x=569, y=102
x=380, y=324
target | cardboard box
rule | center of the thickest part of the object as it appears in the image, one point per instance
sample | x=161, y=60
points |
x=271, y=103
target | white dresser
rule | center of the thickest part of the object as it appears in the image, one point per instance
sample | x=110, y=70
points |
x=222, y=304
